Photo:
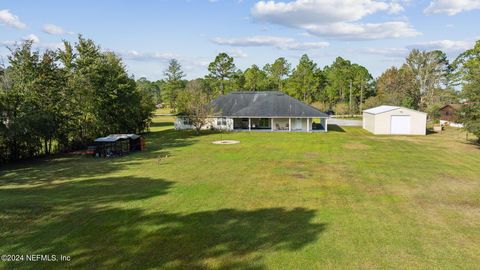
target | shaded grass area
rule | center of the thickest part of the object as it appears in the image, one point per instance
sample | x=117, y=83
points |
x=342, y=199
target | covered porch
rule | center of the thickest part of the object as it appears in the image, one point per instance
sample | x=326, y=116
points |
x=297, y=124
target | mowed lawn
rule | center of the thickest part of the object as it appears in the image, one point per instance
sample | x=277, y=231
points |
x=345, y=199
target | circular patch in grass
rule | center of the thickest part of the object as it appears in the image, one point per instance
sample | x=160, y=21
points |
x=226, y=142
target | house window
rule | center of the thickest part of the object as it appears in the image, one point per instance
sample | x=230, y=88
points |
x=264, y=122
x=222, y=121
x=187, y=122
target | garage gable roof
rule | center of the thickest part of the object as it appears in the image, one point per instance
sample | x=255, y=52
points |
x=387, y=108
x=381, y=109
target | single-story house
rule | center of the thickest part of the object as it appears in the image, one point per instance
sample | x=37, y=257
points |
x=394, y=120
x=261, y=111
x=449, y=115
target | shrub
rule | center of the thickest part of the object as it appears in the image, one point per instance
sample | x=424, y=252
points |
x=341, y=108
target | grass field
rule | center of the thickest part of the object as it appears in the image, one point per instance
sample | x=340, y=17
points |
x=345, y=199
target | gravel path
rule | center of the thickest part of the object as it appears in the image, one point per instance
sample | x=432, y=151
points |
x=345, y=122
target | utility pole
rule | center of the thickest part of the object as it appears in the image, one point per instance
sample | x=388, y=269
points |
x=361, y=97
x=350, y=103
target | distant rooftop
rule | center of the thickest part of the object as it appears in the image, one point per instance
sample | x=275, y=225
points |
x=263, y=104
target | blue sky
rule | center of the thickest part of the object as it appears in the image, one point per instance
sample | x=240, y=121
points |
x=374, y=33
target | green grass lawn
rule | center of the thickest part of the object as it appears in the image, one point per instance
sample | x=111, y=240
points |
x=163, y=111
x=342, y=199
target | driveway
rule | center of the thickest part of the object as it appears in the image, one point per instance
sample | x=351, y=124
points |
x=345, y=122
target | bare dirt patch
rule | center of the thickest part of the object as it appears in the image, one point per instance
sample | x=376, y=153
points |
x=312, y=154
x=226, y=142
x=356, y=146
x=301, y=175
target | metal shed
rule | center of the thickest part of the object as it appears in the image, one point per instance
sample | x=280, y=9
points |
x=118, y=144
x=394, y=120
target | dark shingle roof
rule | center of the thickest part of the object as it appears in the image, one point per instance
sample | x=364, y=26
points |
x=263, y=104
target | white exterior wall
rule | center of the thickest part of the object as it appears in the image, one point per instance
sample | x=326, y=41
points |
x=303, y=125
x=324, y=122
x=381, y=123
x=211, y=123
x=282, y=122
x=369, y=122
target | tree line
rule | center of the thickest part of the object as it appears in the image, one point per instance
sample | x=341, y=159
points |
x=426, y=81
x=60, y=100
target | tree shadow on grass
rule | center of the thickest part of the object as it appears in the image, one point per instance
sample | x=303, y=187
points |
x=43, y=201
x=130, y=238
x=161, y=124
x=335, y=128
x=65, y=167
x=85, y=221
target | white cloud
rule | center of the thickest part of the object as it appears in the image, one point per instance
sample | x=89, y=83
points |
x=361, y=31
x=335, y=19
x=53, y=29
x=386, y=52
x=8, y=43
x=304, y=12
x=282, y=43
x=32, y=38
x=452, y=7
x=7, y=18
x=238, y=53
x=155, y=56
x=448, y=46
x=396, y=8
x=36, y=43
x=188, y=63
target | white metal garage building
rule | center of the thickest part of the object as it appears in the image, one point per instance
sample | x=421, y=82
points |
x=394, y=120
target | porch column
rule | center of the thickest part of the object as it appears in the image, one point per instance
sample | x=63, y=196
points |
x=271, y=123
x=289, y=124
x=249, y=124
x=308, y=124
x=326, y=124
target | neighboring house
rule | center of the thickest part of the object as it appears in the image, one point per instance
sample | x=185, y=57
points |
x=261, y=111
x=394, y=120
x=449, y=115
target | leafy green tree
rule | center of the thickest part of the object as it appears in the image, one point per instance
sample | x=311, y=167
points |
x=48, y=90
x=193, y=103
x=398, y=87
x=20, y=105
x=431, y=70
x=347, y=83
x=221, y=69
x=277, y=72
x=65, y=98
x=255, y=79
x=151, y=88
x=237, y=82
x=468, y=70
x=305, y=80
x=174, y=82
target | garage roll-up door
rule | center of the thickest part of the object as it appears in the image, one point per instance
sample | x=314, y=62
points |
x=400, y=124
